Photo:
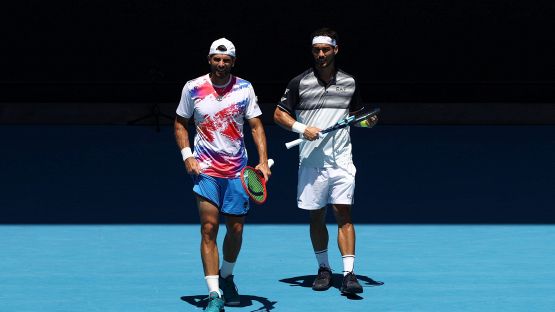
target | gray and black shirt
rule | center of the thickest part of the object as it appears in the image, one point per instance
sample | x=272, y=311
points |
x=321, y=105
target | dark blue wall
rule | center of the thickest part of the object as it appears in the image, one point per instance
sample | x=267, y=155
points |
x=406, y=174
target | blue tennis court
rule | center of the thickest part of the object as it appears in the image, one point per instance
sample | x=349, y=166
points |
x=157, y=268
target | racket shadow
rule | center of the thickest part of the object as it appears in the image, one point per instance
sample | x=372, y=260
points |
x=200, y=301
x=307, y=280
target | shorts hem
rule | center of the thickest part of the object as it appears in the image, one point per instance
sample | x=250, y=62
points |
x=234, y=215
x=350, y=204
x=207, y=199
x=310, y=208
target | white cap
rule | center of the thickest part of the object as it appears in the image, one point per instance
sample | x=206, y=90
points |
x=222, y=46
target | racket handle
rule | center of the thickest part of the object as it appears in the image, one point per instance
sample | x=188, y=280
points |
x=293, y=143
x=270, y=163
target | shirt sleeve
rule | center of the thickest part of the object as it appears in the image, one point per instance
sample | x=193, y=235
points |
x=290, y=99
x=253, y=110
x=186, y=106
x=356, y=100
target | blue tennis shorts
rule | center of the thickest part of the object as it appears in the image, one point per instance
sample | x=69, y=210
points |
x=227, y=194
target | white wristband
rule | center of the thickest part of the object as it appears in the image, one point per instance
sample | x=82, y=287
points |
x=298, y=127
x=186, y=152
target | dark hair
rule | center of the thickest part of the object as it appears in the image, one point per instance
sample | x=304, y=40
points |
x=325, y=31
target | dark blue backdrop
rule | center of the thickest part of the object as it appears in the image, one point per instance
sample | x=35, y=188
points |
x=406, y=174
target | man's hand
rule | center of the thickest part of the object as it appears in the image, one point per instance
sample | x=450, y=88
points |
x=192, y=166
x=312, y=133
x=265, y=169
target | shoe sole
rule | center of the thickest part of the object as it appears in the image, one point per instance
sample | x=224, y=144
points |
x=232, y=303
x=321, y=289
x=221, y=310
x=348, y=291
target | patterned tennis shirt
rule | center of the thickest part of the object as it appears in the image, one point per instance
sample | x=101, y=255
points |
x=219, y=113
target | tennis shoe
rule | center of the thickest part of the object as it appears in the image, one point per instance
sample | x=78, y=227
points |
x=231, y=295
x=323, y=280
x=215, y=302
x=350, y=284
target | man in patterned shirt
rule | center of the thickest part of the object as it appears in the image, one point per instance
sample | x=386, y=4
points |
x=314, y=100
x=220, y=102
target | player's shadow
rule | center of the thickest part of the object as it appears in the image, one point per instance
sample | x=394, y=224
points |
x=200, y=301
x=307, y=280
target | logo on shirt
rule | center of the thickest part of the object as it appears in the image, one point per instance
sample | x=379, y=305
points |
x=340, y=89
x=284, y=96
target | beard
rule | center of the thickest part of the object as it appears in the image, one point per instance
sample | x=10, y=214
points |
x=221, y=73
x=323, y=63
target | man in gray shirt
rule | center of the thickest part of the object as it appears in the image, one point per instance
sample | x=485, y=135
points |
x=314, y=100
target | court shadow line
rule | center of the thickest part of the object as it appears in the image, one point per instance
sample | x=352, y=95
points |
x=307, y=280
x=200, y=301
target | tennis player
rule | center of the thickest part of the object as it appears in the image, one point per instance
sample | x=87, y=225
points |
x=220, y=102
x=314, y=100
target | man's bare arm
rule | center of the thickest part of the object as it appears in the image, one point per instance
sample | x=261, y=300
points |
x=286, y=121
x=182, y=137
x=259, y=137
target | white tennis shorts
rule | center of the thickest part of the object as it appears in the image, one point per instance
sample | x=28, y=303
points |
x=318, y=187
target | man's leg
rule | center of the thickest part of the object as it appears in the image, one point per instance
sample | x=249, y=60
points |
x=209, y=225
x=235, y=206
x=320, y=238
x=232, y=246
x=312, y=195
x=346, y=241
x=208, y=199
x=318, y=230
x=233, y=238
x=346, y=229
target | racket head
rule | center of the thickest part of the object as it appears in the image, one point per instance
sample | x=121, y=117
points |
x=362, y=114
x=254, y=184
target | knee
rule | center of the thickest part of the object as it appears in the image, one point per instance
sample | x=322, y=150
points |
x=346, y=226
x=344, y=221
x=235, y=231
x=318, y=216
x=209, y=231
x=343, y=215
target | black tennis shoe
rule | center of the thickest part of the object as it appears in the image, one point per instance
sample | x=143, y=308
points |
x=350, y=284
x=324, y=279
x=231, y=294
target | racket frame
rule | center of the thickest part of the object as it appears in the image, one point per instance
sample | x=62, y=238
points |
x=261, y=177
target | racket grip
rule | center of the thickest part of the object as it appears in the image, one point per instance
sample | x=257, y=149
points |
x=270, y=163
x=293, y=143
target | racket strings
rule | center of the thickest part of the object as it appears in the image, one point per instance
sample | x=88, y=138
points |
x=254, y=184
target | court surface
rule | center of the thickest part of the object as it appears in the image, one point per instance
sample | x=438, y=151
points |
x=157, y=268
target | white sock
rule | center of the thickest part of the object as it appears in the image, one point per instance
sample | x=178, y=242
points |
x=227, y=269
x=213, y=283
x=348, y=264
x=322, y=258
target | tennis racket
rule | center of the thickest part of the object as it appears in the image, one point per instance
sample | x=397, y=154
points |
x=254, y=183
x=347, y=121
